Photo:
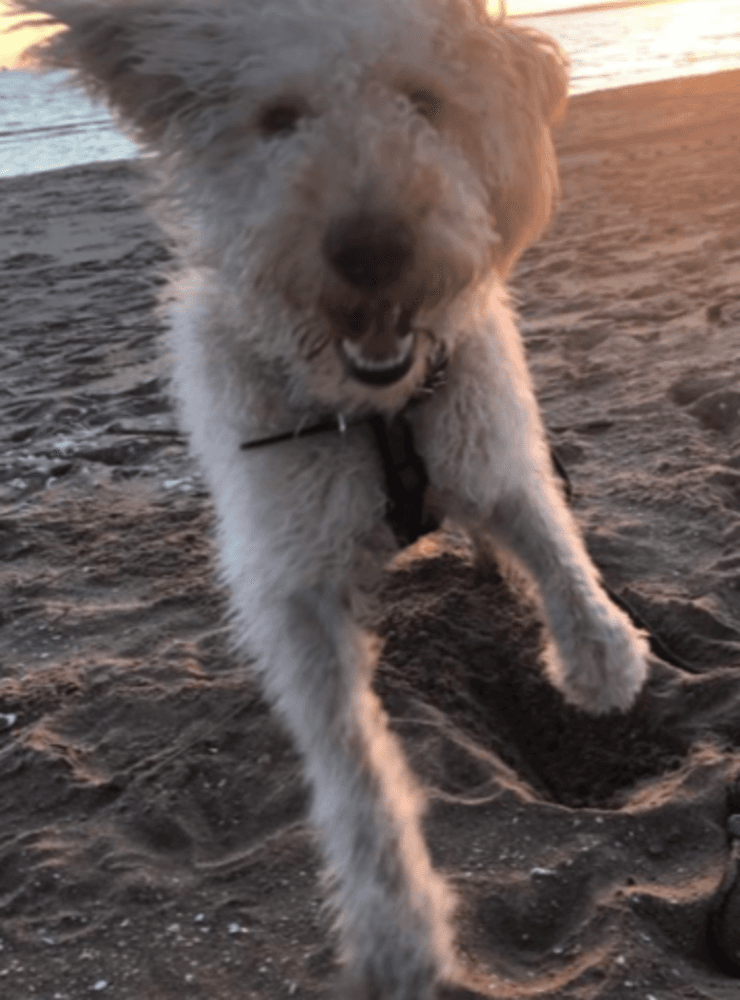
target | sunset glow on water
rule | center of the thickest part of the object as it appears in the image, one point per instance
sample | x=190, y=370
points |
x=618, y=47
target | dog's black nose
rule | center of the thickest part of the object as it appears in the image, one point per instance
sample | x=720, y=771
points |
x=369, y=251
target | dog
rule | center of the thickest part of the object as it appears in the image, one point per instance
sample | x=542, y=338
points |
x=349, y=185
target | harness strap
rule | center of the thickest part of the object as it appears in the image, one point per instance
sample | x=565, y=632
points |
x=406, y=479
x=321, y=428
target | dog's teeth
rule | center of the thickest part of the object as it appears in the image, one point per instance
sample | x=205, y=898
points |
x=405, y=344
x=359, y=360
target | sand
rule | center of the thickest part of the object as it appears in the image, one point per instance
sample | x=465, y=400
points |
x=153, y=841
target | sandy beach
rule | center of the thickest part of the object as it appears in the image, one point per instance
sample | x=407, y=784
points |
x=153, y=841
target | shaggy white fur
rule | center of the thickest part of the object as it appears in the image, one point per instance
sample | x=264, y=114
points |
x=349, y=184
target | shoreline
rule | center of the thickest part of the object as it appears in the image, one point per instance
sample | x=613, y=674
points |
x=593, y=8
x=725, y=85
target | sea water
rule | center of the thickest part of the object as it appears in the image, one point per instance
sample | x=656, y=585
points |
x=44, y=124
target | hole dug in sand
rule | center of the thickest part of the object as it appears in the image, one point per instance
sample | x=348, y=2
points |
x=584, y=850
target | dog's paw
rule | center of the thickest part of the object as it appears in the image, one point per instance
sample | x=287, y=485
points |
x=602, y=668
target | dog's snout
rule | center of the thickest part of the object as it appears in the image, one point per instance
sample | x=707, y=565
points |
x=369, y=251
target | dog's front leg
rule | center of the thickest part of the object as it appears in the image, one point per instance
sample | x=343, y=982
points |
x=392, y=908
x=487, y=456
x=292, y=596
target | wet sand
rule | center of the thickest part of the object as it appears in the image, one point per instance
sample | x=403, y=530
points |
x=153, y=841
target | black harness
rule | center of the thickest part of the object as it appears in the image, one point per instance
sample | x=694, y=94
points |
x=405, y=474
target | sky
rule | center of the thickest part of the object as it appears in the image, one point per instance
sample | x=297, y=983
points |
x=11, y=45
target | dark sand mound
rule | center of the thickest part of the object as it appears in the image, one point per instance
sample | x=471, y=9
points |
x=152, y=834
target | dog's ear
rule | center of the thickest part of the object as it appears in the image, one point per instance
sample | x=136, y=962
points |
x=542, y=67
x=523, y=77
x=124, y=53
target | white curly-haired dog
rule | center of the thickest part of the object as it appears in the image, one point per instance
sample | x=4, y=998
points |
x=349, y=183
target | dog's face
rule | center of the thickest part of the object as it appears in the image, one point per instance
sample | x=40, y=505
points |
x=350, y=170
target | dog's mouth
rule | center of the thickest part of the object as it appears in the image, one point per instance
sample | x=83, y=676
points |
x=379, y=371
x=377, y=342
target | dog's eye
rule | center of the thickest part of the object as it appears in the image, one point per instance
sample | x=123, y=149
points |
x=426, y=103
x=280, y=119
